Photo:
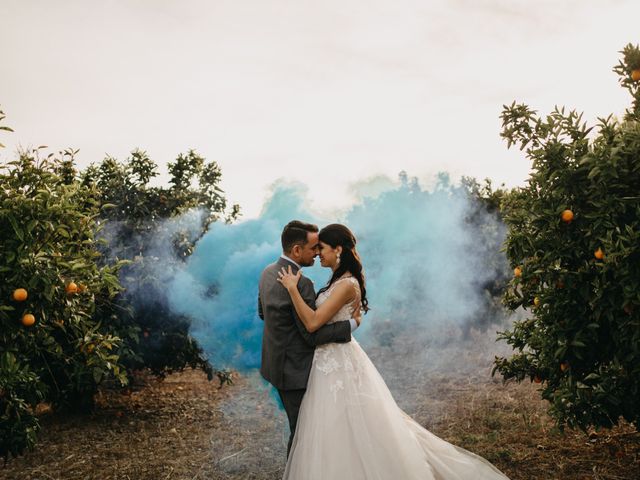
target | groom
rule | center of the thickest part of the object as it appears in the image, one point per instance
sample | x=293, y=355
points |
x=287, y=347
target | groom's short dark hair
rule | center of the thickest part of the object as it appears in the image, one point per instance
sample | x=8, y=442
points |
x=295, y=233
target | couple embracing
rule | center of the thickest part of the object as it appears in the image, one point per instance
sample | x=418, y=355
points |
x=343, y=419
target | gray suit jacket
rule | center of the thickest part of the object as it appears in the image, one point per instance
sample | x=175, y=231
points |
x=287, y=347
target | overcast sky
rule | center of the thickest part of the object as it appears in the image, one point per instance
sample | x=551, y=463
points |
x=326, y=93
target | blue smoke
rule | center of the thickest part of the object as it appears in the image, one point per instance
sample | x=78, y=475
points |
x=424, y=263
x=422, y=259
x=218, y=289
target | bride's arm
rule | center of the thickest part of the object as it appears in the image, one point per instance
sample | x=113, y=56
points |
x=314, y=319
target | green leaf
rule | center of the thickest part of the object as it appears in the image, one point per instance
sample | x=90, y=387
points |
x=14, y=224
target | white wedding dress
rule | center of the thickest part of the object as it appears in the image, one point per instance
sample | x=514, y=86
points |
x=350, y=427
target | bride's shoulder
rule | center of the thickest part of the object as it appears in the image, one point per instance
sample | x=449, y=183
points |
x=346, y=285
x=348, y=280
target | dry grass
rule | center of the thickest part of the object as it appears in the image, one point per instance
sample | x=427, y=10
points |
x=161, y=431
x=508, y=425
x=187, y=428
x=449, y=390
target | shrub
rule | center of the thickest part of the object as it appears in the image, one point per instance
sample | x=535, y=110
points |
x=574, y=236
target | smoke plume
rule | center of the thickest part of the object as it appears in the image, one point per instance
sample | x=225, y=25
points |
x=428, y=256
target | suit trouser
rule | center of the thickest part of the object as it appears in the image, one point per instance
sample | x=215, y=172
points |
x=291, y=400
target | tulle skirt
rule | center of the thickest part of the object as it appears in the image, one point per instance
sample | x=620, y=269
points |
x=350, y=427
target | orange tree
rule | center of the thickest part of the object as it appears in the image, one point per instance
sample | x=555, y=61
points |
x=574, y=245
x=153, y=226
x=51, y=346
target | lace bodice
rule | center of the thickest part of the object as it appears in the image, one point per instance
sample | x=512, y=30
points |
x=345, y=312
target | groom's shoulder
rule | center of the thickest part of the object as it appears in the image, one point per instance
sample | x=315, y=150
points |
x=306, y=282
x=270, y=268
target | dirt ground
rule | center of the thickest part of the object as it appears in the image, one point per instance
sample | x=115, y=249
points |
x=187, y=428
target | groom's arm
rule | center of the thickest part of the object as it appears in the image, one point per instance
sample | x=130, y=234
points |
x=338, y=332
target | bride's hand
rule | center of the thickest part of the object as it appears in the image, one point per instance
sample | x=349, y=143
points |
x=288, y=279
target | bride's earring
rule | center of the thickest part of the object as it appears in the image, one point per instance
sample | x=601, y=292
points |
x=337, y=259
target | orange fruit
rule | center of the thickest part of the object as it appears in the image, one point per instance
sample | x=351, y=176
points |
x=517, y=272
x=59, y=323
x=635, y=74
x=567, y=216
x=599, y=254
x=20, y=294
x=71, y=288
x=537, y=379
x=564, y=366
x=28, y=319
x=536, y=301
x=81, y=287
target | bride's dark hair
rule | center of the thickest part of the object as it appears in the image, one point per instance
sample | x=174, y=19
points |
x=337, y=234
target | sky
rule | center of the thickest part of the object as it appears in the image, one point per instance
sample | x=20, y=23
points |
x=327, y=94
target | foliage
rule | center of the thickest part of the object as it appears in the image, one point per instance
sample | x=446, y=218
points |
x=155, y=227
x=48, y=248
x=485, y=194
x=3, y=128
x=625, y=70
x=582, y=340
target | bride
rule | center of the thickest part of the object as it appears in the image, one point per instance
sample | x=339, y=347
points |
x=349, y=426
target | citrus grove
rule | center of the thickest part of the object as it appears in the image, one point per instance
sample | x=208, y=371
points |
x=574, y=246
x=52, y=347
x=68, y=322
x=69, y=325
